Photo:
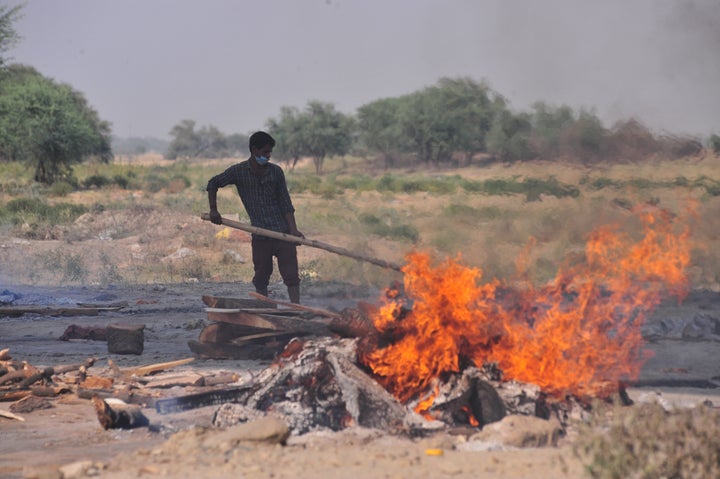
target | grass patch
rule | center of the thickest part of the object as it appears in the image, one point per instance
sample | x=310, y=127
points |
x=647, y=442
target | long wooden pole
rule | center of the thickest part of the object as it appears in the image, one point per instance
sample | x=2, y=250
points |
x=304, y=241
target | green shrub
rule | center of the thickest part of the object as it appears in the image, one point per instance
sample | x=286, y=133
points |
x=26, y=210
x=714, y=144
x=388, y=227
x=647, y=442
x=70, y=267
x=61, y=188
x=97, y=181
x=154, y=183
x=121, y=181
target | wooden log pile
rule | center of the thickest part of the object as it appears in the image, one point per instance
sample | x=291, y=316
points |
x=118, y=395
x=254, y=328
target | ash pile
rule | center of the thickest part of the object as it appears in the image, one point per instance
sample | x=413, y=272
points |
x=317, y=384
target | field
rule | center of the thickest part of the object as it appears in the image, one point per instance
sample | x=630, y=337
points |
x=141, y=224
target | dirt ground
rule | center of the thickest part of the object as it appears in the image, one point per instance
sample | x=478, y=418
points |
x=685, y=340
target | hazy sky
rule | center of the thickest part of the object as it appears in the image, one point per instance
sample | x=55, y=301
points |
x=145, y=65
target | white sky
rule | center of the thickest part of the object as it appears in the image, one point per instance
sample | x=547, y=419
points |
x=145, y=65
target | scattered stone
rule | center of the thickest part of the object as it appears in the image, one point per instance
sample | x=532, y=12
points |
x=269, y=430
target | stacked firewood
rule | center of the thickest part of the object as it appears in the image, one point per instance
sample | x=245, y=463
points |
x=110, y=389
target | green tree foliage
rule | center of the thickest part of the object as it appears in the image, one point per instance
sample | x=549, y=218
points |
x=318, y=131
x=548, y=123
x=380, y=130
x=509, y=137
x=453, y=116
x=48, y=125
x=237, y=144
x=8, y=35
x=207, y=142
x=714, y=143
x=289, y=133
x=560, y=131
x=326, y=132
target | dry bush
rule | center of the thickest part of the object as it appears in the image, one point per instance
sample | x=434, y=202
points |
x=648, y=442
x=631, y=141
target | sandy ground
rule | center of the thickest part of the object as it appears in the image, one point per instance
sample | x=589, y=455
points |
x=686, y=343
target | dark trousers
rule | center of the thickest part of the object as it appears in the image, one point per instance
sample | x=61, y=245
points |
x=263, y=251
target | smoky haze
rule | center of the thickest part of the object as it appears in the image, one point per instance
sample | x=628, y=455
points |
x=147, y=65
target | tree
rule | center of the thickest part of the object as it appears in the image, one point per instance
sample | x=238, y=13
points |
x=186, y=141
x=548, y=123
x=289, y=132
x=207, y=142
x=468, y=109
x=380, y=129
x=452, y=116
x=48, y=125
x=508, y=137
x=325, y=132
x=8, y=35
x=238, y=145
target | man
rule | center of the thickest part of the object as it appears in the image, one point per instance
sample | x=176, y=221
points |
x=264, y=194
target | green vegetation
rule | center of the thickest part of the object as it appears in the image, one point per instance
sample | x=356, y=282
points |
x=647, y=442
x=48, y=126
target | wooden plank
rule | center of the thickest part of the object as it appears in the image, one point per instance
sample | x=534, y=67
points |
x=299, y=307
x=234, y=303
x=226, y=332
x=240, y=317
x=232, y=351
x=17, y=311
x=157, y=367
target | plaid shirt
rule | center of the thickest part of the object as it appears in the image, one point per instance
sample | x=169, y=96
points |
x=265, y=198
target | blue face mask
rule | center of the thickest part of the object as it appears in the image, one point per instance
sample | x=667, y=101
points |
x=261, y=160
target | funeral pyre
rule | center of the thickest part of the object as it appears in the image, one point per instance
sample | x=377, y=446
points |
x=456, y=351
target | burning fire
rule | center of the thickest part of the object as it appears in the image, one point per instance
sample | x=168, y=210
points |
x=578, y=335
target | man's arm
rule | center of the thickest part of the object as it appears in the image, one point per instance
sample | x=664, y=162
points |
x=215, y=216
x=290, y=217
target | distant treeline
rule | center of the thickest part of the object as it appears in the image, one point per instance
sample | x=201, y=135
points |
x=138, y=146
x=450, y=123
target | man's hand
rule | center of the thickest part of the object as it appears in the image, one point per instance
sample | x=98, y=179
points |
x=215, y=217
x=297, y=232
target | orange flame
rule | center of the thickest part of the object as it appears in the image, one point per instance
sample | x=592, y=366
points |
x=578, y=335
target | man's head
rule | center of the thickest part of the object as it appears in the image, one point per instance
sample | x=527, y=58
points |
x=260, y=140
x=261, y=147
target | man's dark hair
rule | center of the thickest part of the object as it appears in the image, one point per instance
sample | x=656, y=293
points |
x=260, y=139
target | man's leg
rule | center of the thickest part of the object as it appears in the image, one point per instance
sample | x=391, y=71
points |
x=288, y=266
x=262, y=257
